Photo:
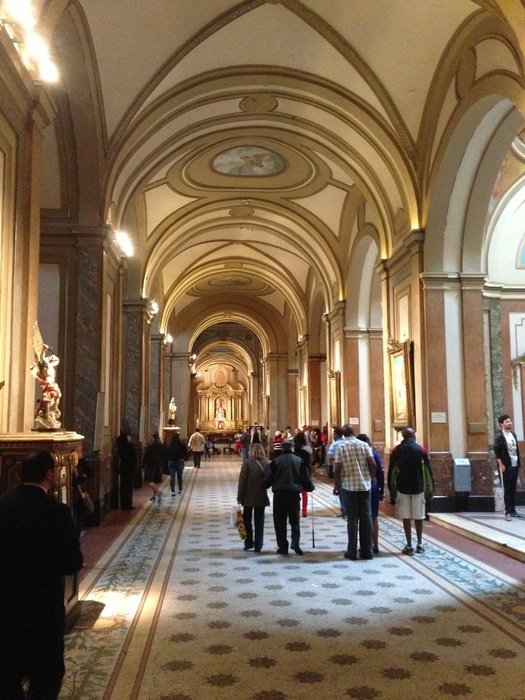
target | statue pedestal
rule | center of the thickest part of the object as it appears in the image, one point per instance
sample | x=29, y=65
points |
x=13, y=448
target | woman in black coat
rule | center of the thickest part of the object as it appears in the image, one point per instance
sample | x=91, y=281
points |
x=127, y=469
x=252, y=495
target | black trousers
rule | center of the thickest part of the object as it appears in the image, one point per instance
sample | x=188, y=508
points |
x=40, y=662
x=510, y=480
x=258, y=519
x=359, y=521
x=286, y=507
x=176, y=469
x=126, y=489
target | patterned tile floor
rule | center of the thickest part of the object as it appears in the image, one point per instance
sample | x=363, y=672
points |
x=175, y=610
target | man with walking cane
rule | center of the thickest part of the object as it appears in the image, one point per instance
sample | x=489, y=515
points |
x=289, y=475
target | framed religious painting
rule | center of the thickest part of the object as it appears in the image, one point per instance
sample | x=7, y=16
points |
x=402, y=384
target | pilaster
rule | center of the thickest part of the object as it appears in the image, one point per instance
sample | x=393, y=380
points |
x=136, y=334
x=155, y=380
x=277, y=383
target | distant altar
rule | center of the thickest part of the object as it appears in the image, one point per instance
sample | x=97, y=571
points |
x=221, y=401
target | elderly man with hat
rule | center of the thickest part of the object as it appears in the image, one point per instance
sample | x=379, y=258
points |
x=289, y=475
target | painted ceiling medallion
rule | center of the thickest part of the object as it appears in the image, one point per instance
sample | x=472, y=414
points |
x=258, y=104
x=241, y=212
x=248, y=161
x=261, y=164
x=230, y=281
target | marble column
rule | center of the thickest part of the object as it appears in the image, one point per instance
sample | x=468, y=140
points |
x=475, y=387
x=277, y=386
x=364, y=381
x=337, y=395
x=443, y=370
x=155, y=380
x=136, y=333
x=315, y=389
x=87, y=324
x=377, y=388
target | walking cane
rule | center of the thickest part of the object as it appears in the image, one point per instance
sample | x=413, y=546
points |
x=313, y=533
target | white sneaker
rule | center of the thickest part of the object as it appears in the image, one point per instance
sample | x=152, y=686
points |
x=173, y=493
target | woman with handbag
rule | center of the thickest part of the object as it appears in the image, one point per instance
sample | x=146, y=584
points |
x=127, y=469
x=82, y=501
x=252, y=495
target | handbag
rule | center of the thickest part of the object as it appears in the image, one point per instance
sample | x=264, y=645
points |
x=238, y=521
x=499, y=498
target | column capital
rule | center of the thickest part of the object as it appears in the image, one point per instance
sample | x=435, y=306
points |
x=138, y=306
x=337, y=310
x=439, y=280
x=472, y=281
x=356, y=333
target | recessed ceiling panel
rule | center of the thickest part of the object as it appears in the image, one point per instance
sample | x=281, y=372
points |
x=259, y=164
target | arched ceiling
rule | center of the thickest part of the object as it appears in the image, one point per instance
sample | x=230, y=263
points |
x=249, y=144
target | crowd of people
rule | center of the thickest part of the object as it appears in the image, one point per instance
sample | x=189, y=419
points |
x=284, y=463
x=286, y=466
x=39, y=538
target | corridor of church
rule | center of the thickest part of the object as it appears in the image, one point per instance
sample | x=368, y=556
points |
x=219, y=217
x=173, y=608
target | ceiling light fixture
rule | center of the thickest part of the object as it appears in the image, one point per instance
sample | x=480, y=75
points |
x=19, y=21
x=123, y=241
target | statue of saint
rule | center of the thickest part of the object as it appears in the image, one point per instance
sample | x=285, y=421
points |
x=44, y=371
x=172, y=412
x=220, y=410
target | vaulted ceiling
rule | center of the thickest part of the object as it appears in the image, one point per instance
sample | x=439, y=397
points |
x=251, y=147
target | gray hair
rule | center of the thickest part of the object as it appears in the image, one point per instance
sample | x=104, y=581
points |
x=257, y=451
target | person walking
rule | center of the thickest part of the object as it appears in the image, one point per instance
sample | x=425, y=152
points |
x=39, y=545
x=303, y=450
x=288, y=477
x=245, y=441
x=507, y=454
x=177, y=453
x=277, y=444
x=337, y=437
x=410, y=482
x=196, y=445
x=127, y=469
x=252, y=495
x=377, y=492
x=354, y=471
x=80, y=473
x=153, y=461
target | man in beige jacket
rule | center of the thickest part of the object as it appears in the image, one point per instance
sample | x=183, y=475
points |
x=196, y=445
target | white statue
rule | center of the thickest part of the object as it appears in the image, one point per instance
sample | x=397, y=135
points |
x=172, y=411
x=44, y=371
x=220, y=410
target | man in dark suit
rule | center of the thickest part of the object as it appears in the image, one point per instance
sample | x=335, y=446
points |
x=289, y=475
x=38, y=546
